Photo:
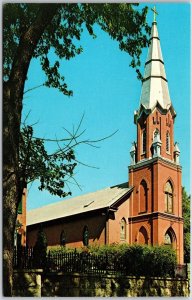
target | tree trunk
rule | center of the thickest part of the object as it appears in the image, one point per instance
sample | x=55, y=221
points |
x=12, y=108
x=10, y=186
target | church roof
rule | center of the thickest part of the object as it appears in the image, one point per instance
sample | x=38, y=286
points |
x=155, y=86
x=104, y=198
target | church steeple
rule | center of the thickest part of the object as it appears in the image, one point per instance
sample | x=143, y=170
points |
x=155, y=171
x=155, y=86
x=155, y=111
x=155, y=89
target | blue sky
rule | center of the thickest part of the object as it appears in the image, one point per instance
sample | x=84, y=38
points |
x=107, y=91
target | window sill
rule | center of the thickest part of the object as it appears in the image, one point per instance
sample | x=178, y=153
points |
x=170, y=213
x=142, y=212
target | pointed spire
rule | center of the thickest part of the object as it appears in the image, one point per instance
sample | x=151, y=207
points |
x=157, y=144
x=133, y=153
x=155, y=87
x=176, y=153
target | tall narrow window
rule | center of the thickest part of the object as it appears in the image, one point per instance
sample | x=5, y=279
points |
x=142, y=237
x=170, y=238
x=144, y=141
x=167, y=239
x=143, y=197
x=168, y=198
x=62, y=238
x=85, y=236
x=167, y=142
x=19, y=210
x=123, y=229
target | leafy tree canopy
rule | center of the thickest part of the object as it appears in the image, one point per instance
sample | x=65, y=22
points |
x=121, y=21
x=33, y=30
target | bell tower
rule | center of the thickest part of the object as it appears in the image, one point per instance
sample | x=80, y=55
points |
x=155, y=171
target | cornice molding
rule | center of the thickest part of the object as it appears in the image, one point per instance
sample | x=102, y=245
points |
x=151, y=161
x=155, y=215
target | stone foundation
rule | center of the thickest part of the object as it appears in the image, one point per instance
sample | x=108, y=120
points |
x=27, y=283
x=37, y=283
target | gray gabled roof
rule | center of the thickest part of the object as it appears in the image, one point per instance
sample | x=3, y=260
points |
x=104, y=198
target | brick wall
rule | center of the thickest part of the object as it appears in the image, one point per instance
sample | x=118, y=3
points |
x=73, y=230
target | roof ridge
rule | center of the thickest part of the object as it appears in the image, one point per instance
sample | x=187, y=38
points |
x=100, y=199
x=68, y=199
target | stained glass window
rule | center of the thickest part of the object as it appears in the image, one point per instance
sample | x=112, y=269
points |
x=167, y=142
x=168, y=198
x=144, y=141
x=167, y=239
x=85, y=236
x=123, y=230
x=143, y=197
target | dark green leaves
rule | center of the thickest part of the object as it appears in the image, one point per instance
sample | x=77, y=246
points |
x=186, y=225
x=54, y=79
x=122, y=21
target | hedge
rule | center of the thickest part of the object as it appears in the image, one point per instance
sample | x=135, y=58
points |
x=134, y=260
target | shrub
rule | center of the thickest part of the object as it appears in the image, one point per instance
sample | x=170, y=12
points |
x=164, y=261
x=139, y=260
x=149, y=261
x=40, y=249
x=59, y=249
x=133, y=260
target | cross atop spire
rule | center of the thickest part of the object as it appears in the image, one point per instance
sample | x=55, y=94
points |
x=154, y=13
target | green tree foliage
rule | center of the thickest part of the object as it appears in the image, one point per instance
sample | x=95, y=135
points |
x=40, y=249
x=33, y=30
x=25, y=38
x=134, y=260
x=53, y=170
x=141, y=260
x=186, y=225
x=121, y=21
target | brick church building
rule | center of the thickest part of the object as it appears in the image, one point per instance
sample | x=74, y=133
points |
x=148, y=208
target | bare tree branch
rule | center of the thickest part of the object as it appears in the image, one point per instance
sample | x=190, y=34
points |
x=33, y=88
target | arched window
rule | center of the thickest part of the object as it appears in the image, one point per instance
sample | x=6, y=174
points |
x=168, y=197
x=168, y=239
x=144, y=141
x=142, y=237
x=167, y=141
x=85, y=236
x=123, y=229
x=143, y=197
x=62, y=238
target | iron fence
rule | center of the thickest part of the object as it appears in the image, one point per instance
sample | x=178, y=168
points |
x=23, y=258
x=84, y=262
